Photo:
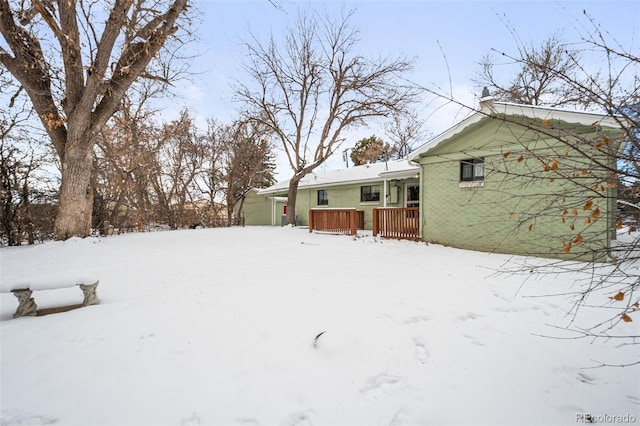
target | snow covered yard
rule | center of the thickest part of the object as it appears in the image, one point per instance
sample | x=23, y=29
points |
x=219, y=326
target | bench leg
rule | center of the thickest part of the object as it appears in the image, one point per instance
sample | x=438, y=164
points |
x=90, y=294
x=27, y=306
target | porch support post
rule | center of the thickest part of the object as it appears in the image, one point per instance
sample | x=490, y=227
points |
x=273, y=211
x=375, y=213
x=384, y=203
x=420, y=204
x=352, y=221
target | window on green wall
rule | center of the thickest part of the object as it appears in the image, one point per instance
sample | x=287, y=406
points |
x=413, y=196
x=472, y=169
x=323, y=197
x=369, y=193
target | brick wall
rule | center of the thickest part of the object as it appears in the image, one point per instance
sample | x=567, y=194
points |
x=521, y=208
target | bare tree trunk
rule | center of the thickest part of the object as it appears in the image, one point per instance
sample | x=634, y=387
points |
x=230, y=206
x=240, y=211
x=311, y=88
x=76, y=195
x=79, y=81
x=291, y=200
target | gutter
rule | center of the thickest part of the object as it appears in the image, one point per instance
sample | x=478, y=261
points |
x=379, y=177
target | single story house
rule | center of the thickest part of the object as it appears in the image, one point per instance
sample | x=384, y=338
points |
x=509, y=178
x=522, y=179
x=385, y=184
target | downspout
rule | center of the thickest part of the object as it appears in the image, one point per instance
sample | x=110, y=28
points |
x=421, y=195
x=384, y=204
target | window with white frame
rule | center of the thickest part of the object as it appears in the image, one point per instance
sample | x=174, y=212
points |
x=472, y=170
x=413, y=196
x=369, y=193
x=323, y=197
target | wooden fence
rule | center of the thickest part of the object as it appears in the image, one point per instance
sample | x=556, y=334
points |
x=339, y=221
x=401, y=223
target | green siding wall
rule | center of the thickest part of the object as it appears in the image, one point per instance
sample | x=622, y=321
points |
x=257, y=210
x=348, y=196
x=519, y=209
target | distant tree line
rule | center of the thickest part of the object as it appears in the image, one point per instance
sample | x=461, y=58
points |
x=146, y=174
x=176, y=174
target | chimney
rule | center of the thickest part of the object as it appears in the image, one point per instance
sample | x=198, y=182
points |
x=486, y=101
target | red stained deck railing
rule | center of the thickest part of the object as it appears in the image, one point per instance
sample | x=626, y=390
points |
x=401, y=223
x=339, y=221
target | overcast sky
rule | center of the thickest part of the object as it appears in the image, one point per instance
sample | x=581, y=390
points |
x=447, y=39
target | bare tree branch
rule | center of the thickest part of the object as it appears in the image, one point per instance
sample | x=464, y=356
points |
x=312, y=86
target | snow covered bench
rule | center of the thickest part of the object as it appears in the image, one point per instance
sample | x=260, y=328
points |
x=50, y=266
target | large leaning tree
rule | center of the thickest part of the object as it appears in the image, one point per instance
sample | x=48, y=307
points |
x=76, y=59
x=312, y=85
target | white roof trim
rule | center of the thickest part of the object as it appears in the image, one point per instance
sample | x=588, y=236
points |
x=511, y=109
x=446, y=134
x=367, y=173
x=400, y=175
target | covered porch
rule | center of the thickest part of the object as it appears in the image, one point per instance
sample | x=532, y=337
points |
x=399, y=217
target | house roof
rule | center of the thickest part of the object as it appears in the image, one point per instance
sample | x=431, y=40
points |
x=492, y=108
x=397, y=169
x=405, y=168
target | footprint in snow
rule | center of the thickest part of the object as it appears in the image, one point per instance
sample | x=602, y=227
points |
x=246, y=421
x=468, y=316
x=584, y=378
x=507, y=309
x=502, y=297
x=416, y=320
x=28, y=420
x=299, y=418
x=422, y=351
x=473, y=340
x=402, y=418
x=633, y=399
x=539, y=308
x=377, y=385
x=194, y=420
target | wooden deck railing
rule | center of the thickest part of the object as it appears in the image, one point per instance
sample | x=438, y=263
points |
x=401, y=223
x=340, y=221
